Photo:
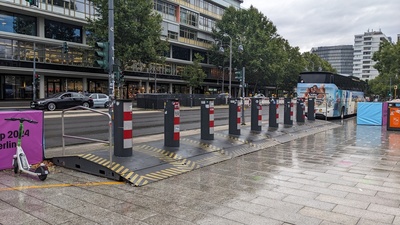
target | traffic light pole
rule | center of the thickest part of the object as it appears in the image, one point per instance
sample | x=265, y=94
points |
x=111, y=61
x=34, y=72
x=243, y=95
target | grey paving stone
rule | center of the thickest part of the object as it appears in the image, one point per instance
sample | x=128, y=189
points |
x=353, y=189
x=384, y=209
x=309, y=202
x=276, y=204
x=343, y=201
x=290, y=217
x=361, y=213
x=251, y=219
x=374, y=199
x=329, y=216
x=327, y=191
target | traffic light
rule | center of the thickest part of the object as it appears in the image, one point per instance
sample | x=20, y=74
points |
x=32, y=2
x=238, y=75
x=65, y=47
x=37, y=78
x=118, y=75
x=102, y=54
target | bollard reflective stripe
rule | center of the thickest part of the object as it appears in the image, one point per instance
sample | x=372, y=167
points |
x=211, y=117
x=291, y=111
x=176, y=121
x=260, y=116
x=127, y=115
x=239, y=114
x=277, y=113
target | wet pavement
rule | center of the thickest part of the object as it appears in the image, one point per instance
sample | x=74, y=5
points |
x=346, y=175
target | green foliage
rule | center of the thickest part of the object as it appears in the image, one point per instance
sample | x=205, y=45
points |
x=268, y=58
x=315, y=63
x=194, y=74
x=388, y=64
x=137, y=31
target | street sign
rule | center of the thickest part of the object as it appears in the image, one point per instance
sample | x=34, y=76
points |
x=395, y=87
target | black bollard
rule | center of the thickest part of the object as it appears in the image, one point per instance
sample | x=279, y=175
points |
x=234, y=116
x=311, y=109
x=123, y=128
x=171, y=123
x=207, y=119
x=273, y=112
x=256, y=114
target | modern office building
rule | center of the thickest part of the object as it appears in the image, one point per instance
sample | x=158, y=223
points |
x=340, y=57
x=365, y=45
x=33, y=36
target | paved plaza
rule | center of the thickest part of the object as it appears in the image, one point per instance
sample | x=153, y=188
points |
x=349, y=174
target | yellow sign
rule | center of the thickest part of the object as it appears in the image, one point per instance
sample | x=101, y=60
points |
x=395, y=87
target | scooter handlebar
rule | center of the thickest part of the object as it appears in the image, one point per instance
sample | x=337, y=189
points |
x=21, y=120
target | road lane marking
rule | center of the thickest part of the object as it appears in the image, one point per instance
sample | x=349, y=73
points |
x=62, y=185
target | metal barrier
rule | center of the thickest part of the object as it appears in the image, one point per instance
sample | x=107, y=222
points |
x=109, y=142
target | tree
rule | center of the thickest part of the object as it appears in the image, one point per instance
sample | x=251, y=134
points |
x=262, y=46
x=194, y=74
x=388, y=65
x=312, y=62
x=137, y=30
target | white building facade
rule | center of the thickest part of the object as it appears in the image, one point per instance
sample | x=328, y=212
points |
x=365, y=45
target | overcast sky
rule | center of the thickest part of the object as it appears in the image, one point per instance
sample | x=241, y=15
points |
x=314, y=23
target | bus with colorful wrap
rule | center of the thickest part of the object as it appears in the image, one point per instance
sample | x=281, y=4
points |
x=335, y=95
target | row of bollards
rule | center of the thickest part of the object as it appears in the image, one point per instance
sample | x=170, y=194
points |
x=123, y=120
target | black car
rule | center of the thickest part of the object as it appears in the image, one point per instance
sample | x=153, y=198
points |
x=62, y=101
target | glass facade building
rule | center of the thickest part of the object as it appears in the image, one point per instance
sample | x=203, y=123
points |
x=340, y=57
x=35, y=35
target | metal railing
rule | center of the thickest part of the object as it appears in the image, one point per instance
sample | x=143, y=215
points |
x=109, y=142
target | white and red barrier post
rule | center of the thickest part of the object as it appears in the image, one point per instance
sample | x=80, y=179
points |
x=123, y=137
x=172, y=123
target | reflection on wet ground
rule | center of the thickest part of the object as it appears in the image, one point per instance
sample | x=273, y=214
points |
x=347, y=175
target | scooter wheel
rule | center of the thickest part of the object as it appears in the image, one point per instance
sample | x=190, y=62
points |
x=42, y=171
x=15, y=166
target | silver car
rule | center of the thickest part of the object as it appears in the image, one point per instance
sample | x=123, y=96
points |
x=100, y=100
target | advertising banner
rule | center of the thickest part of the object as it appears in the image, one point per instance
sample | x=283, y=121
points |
x=32, y=139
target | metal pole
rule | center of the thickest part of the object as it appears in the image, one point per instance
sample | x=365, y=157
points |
x=390, y=88
x=223, y=77
x=111, y=90
x=243, y=95
x=230, y=64
x=34, y=72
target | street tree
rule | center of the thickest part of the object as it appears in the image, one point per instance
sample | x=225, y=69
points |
x=137, y=30
x=312, y=62
x=261, y=54
x=388, y=65
x=194, y=74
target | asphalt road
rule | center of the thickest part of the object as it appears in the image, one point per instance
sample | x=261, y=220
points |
x=91, y=125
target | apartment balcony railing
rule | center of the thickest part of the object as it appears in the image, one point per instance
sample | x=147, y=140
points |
x=194, y=42
x=197, y=8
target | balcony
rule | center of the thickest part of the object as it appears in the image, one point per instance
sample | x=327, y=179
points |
x=197, y=8
x=194, y=42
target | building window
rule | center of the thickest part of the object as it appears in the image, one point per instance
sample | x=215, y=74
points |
x=172, y=35
x=189, y=18
x=186, y=33
x=164, y=7
x=16, y=23
x=180, y=53
x=63, y=31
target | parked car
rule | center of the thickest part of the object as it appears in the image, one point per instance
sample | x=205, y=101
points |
x=223, y=96
x=62, y=101
x=100, y=100
x=259, y=96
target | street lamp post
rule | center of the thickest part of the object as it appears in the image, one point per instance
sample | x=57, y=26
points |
x=230, y=62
